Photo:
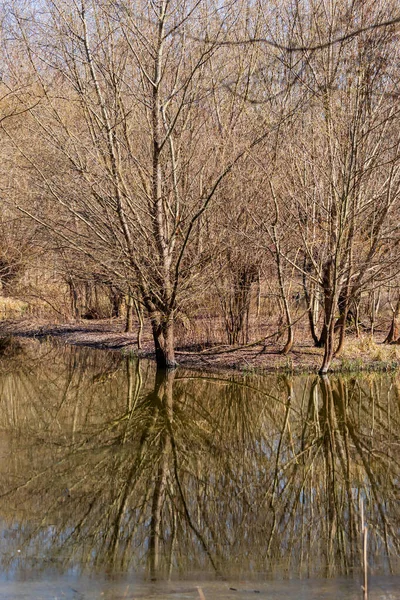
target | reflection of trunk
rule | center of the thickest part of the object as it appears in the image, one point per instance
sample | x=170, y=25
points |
x=336, y=447
x=341, y=398
x=275, y=484
x=328, y=425
x=160, y=404
x=156, y=508
x=164, y=394
x=163, y=336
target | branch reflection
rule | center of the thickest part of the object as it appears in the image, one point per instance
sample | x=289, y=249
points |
x=108, y=464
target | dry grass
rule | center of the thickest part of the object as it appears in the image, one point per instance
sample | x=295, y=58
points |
x=366, y=351
x=11, y=308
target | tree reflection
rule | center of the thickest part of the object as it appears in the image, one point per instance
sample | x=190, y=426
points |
x=108, y=464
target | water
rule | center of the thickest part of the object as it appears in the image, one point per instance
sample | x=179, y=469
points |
x=116, y=482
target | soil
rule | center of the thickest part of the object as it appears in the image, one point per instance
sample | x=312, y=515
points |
x=109, y=335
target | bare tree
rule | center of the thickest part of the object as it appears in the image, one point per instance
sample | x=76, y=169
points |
x=130, y=112
x=337, y=183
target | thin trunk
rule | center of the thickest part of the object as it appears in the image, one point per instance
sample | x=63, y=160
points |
x=139, y=315
x=357, y=319
x=321, y=341
x=393, y=335
x=341, y=322
x=329, y=317
x=329, y=348
x=258, y=294
x=116, y=301
x=73, y=294
x=290, y=335
x=375, y=311
x=129, y=315
x=310, y=299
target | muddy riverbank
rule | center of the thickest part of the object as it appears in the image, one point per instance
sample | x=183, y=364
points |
x=363, y=353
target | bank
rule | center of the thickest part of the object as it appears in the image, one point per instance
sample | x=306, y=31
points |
x=359, y=354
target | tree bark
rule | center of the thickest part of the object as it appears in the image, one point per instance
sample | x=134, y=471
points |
x=129, y=315
x=73, y=294
x=310, y=299
x=329, y=317
x=116, y=299
x=139, y=315
x=164, y=341
x=340, y=325
x=393, y=335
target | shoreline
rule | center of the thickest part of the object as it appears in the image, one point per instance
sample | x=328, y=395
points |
x=362, y=354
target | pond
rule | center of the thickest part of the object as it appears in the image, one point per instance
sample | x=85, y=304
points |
x=118, y=482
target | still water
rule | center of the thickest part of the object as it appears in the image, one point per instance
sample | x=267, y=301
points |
x=116, y=482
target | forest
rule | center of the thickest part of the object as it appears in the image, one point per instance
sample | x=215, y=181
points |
x=218, y=172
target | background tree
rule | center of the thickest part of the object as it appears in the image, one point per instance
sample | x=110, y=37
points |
x=341, y=162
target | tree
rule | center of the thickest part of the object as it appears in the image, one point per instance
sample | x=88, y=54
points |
x=337, y=177
x=129, y=115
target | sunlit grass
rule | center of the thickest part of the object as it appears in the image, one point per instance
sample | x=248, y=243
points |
x=12, y=308
x=367, y=349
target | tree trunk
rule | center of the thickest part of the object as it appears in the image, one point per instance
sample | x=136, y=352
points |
x=290, y=334
x=340, y=325
x=73, y=294
x=116, y=299
x=321, y=341
x=329, y=348
x=129, y=315
x=237, y=308
x=139, y=315
x=310, y=299
x=164, y=341
x=393, y=335
x=357, y=319
x=329, y=317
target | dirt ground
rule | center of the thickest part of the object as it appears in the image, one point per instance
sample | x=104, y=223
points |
x=359, y=354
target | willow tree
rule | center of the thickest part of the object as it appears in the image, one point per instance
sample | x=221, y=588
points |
x=131, y=145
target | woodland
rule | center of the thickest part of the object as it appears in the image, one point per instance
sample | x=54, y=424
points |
x=216, y=171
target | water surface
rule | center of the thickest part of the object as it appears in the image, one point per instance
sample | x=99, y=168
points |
x=118, y=482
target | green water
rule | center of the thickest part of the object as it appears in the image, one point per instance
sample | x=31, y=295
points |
x=116, y=482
